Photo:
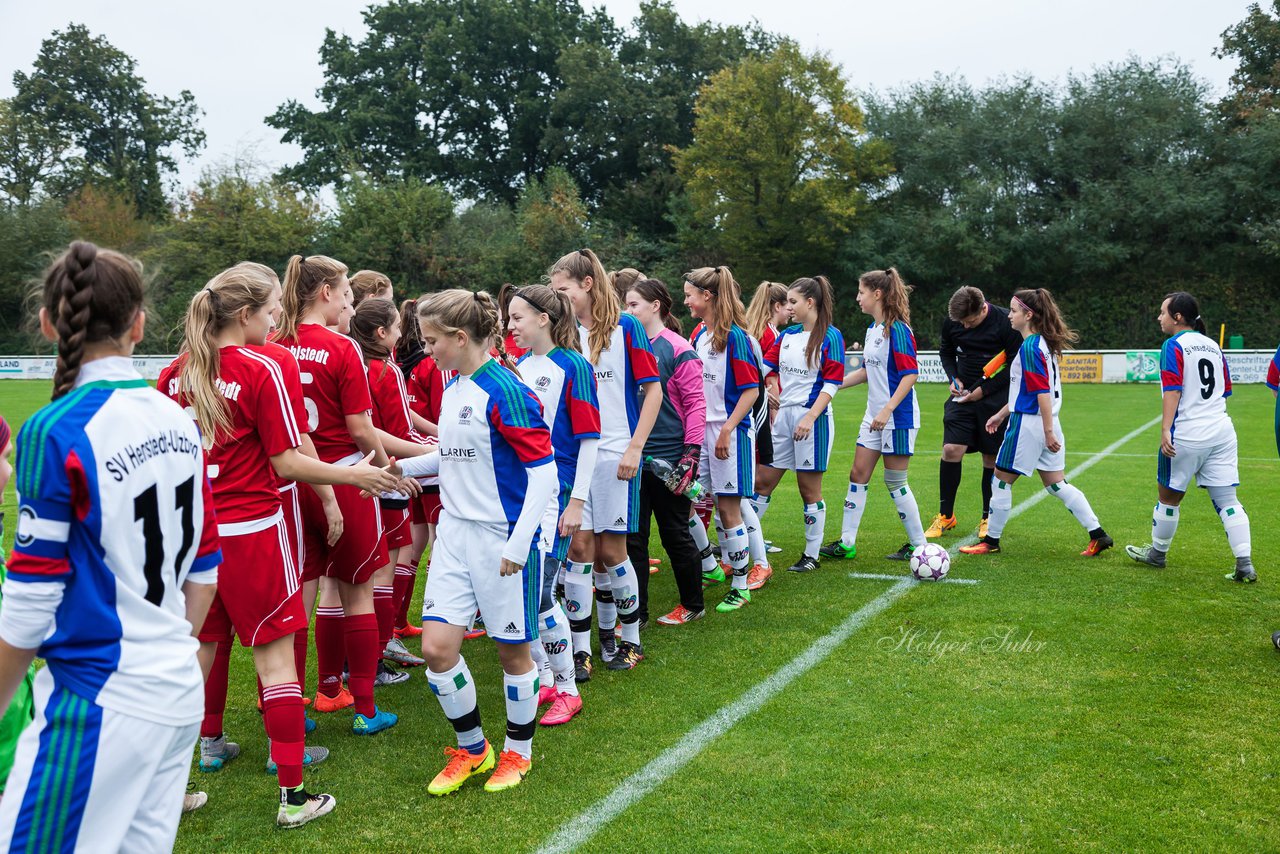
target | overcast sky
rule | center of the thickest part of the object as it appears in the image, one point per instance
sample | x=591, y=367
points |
x=243, y=58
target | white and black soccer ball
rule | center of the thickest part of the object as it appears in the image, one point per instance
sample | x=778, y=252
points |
x=930, y=562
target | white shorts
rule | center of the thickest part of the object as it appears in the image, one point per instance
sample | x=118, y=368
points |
x=1023, y=450
x=1215, y=465
x=93, y=779
x=809, y=454
x=464, y=577
x=899, y=443
x=613, y=505
x=736, y=475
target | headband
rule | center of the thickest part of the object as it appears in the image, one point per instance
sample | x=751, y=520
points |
x=1025, y=307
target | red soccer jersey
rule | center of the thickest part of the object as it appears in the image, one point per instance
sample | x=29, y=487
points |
x=426, y=388
x=333, y=386
x=262, y=425
x=292, y=385
x=390, y=400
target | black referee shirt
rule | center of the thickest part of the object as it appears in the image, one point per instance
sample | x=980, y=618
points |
x=965, y=352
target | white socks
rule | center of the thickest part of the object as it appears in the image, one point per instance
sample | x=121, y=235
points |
x=905, y=500
x=815, y=521
x=1075, y=501
x=1001, y=507
x=855, y=501
x=1164, y=524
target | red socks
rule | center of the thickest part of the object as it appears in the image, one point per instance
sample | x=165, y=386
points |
x=215, y=692
x=331, y=650
x=363, y=653
x=283, y=719
x=384, y=609
x=300, y=642
x=406, y=576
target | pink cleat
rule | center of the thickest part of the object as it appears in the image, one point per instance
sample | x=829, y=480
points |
x=562, y=710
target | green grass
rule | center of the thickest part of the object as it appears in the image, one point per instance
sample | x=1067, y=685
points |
x=1130, y=708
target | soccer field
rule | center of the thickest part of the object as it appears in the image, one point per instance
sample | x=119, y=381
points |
x=1058, y=702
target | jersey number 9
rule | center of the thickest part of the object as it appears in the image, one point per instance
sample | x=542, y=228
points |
x=1208, y=382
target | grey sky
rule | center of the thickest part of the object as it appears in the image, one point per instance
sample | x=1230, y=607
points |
x=243, y=58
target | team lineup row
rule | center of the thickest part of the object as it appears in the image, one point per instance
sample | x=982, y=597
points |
x=342, y=437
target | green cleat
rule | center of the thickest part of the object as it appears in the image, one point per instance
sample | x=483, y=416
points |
x=837, y=549
x=734, y=600
x=712, y=578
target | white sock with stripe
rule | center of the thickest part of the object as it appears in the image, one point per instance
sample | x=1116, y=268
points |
x=1075, y=502
x=1164, y=524
x=815, y=520
x=855, y=502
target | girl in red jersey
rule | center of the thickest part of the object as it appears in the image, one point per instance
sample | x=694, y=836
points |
x=239, y=397
x=376, y=328
x=336, y=396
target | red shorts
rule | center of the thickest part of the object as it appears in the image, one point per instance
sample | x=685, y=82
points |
x=291, y=507
x=426, y=509
x=359, y=552
x=396, y=527
x=259, y=596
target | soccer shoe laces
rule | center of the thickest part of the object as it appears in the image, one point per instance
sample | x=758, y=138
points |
x=509, y=762
x=460, y=760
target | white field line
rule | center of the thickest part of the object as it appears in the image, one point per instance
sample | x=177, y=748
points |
x=877, y=576
x=578, y=830
x=1152, y=456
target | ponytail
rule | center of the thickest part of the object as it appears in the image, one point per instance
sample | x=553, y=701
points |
x=760, y=312
x=89, y=295
x=623, y=280
x=1187, y=307
x=727, y=305
x=605, y=307
x=1047, y=319
x=819, y=290
x=303, y=278
x=559, y=311
x=896, y=294
x=214, y=307
x=371, y=315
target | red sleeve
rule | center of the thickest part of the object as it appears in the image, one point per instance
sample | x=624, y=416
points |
x=1035, y=371
x=580, y=397
x=644, y=367
x=1171, y=366
x=417, y=394
x=518, y=420
x=742, y=360
x=272, y=412
x=1273, y=372
x=768, y=338
x=390, y=398
x=833, y=357
x=902, y=348
x=292, y=384
x=772, y=350
x=353, y=382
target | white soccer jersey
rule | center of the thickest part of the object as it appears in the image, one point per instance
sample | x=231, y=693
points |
x=625, y=365
x=1193, y=364
x=114, y=504
x=889, y=355
x=1034, y=371
x=491, y=428
x=727, y=374
x=801, y=383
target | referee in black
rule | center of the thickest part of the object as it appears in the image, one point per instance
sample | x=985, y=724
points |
x=974, y=332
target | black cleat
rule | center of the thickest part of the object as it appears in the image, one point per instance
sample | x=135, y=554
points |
x=903, y=553
x=806, y=563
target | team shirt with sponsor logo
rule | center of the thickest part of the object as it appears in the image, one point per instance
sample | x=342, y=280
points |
x=491, y=429
x=625, y=365
x=1193, y=364
x=253, y=388
x=801, y=383
x=565, y=385
x=333, y=386
x=889, y=355
x=113, y=503
x=1033, y=372
x=727, y=373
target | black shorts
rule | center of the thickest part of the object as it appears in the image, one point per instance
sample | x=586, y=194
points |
x=764, y=441
x=966, y=424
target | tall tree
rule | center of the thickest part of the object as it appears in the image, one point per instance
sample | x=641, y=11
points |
x=31, y=153
x=456, y=91
x=85, y=91
x=1255, y=42
x=779, y=162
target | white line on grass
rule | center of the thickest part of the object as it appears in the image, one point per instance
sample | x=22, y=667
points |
x=880, y=576
x=581, y=828
x=1150, y=455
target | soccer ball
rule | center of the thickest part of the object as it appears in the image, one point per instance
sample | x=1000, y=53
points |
x=930, y=562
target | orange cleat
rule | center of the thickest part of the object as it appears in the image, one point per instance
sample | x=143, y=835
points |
x=758, y=576
x=982, y=547
x=680, y=615
x=1097, y=546
x=462, y=766
x=511, y=771
x=408, y=631
x=326, y=704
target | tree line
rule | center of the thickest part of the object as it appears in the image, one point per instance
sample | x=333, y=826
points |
x=466, y=143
